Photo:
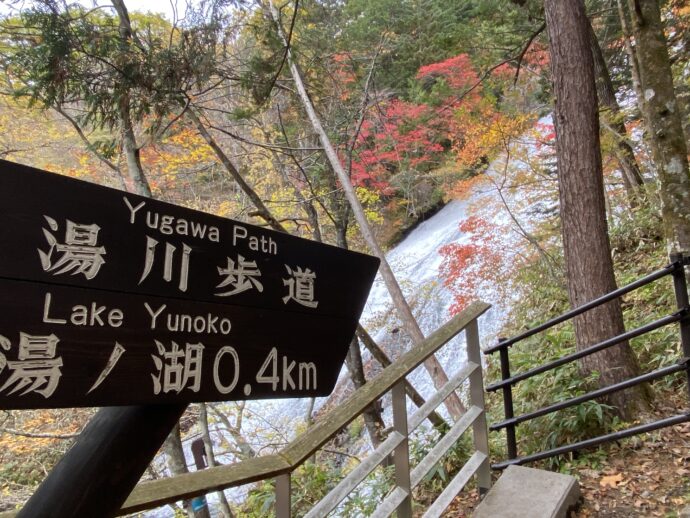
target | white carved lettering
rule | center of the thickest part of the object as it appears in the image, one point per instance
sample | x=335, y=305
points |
x=46, y=311
x=166, y=225
x=115, y=318
x=225, y=389
x=132, y=210
x=258, y=244
x=154, y=315
x=169, y=225
x=182, y=227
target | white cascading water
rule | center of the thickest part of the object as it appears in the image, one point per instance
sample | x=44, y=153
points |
x=416, y=262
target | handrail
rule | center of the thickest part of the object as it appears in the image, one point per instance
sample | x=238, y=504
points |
x=159, y=492
x=604, y=391
x=667, y=270
x=568, y=358
x=596, y=441
x=681, y=316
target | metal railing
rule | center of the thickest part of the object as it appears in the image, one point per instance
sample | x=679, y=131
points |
x=281, y=466
x=676, y=269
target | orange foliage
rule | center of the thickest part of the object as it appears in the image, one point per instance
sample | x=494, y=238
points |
x=463, y=189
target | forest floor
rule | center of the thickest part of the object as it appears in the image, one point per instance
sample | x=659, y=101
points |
x=646, y=476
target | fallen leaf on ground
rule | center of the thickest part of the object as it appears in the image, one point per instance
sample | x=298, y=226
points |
x=611, y=480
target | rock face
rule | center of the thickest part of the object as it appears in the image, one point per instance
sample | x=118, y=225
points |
x=521, y=492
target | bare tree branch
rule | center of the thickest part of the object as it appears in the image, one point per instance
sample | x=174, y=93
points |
x=40, y=435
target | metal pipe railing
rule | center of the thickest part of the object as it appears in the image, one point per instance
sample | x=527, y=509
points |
x=682, y=316
x=667, y=270
x=616, y=387
x=596, y=441
x=671, y=319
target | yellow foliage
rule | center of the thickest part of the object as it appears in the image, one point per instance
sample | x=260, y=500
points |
x=369, y=199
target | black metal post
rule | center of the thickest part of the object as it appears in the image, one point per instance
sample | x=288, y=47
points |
x=97, y=474
x=680, y=286
x=508, y=402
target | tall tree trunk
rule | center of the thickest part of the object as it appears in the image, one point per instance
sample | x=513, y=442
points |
x=433, y=366
x=612, y=112
x=371, y=415
x=663, y=119
x=136, y=179
x=587, y=253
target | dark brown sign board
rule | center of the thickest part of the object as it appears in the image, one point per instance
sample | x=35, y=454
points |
x=109, y=298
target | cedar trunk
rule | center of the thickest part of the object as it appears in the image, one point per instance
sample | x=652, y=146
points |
x=662, y=115
x=586, y=245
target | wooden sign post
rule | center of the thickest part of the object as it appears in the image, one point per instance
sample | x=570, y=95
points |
x=108, y=298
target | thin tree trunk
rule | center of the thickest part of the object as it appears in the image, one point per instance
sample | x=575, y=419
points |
x=211, y=458
x=234, y=172
x=137, y=182
x=176, y=461
x=136, y=179
x=309, y=417
x=662, y=115
x=236, y=431
x=607, y=100
x=438, y=375
x=372, y=416
x=630, y=51
x=585, y=237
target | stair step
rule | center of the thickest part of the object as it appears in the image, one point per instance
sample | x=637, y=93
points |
x=523, y=492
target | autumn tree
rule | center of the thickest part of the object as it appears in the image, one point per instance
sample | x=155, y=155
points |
x=54, y=59
x=95, y=71
x=586, y=245
x=435, y=369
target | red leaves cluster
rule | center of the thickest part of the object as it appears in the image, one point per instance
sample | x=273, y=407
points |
x=452, y=119
x=403, y=136
x=406, y=136
x=458, y=72
x=466, y=265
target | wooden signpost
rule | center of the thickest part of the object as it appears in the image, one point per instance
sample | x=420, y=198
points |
x=108, y=298
x=111, y=299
